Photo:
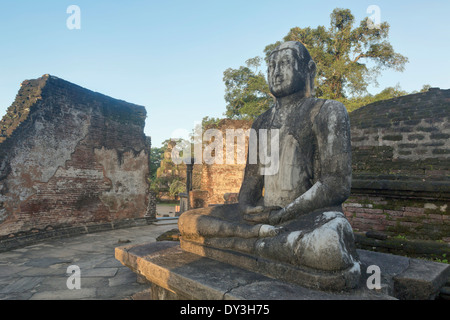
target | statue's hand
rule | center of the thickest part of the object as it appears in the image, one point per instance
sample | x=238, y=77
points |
x=259, y=214
x=257, y=218
x=253, y=210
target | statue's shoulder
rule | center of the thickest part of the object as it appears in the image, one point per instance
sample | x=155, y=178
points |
x=333, y=105
x=331, y=108
x=263, y=119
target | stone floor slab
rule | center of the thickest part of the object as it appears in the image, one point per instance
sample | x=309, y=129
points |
x=22, y=285
x=99, y=272
x=39, y=271
x=65, y=294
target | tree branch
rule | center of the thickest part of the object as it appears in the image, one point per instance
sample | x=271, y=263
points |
x=361, y=55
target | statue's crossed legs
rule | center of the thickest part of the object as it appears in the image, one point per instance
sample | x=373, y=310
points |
x=322, y=240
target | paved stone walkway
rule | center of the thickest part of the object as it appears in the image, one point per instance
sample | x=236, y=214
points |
x=39, y=272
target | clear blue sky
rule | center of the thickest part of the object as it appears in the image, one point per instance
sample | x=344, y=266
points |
x=169, y=56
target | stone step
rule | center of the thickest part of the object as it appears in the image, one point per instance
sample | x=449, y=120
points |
x=191, y=276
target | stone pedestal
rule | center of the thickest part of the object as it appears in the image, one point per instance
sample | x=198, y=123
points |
x=302, y=276
x=177, y=274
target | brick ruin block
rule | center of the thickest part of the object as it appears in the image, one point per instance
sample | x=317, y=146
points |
x=70, y=157
x=221, y=179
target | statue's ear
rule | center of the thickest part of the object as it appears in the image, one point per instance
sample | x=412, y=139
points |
x=312, y=75
x=312, y=67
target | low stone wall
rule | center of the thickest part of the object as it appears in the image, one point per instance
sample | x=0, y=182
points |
x=418, y=218
x=35, y=235
x=401, y=161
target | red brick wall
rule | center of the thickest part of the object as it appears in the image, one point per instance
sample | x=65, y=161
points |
x=417, y=218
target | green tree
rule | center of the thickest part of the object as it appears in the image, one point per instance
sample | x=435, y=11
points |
x=360, y=101
x=348, y=59
x=176, y=187
x=246, y=91
x=425, y=88
x=156, y=155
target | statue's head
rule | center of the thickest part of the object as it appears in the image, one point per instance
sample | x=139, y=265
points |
x=291, y=70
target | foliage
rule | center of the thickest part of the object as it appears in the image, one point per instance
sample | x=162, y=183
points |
x=176, y=187
x=247, y=93
x=164, y=172
x=387, y=93
x=156, y=155
x=210, y=122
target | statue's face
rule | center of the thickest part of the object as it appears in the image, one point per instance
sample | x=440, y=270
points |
x=285, y=74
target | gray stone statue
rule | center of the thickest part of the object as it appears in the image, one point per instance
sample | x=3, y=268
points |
x=294, y=216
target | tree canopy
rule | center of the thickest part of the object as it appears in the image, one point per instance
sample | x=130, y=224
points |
x=349, y=58
x=247, y=93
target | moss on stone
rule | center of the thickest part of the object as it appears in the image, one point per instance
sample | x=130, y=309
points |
x=29, y=93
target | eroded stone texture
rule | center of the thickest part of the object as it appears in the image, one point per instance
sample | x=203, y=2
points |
x=70, y=157
x=401, y=161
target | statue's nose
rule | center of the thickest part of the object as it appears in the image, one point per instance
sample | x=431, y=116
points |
x=277, y=72
x=278, y=77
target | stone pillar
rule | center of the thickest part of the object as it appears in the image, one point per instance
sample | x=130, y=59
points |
x=151, y=207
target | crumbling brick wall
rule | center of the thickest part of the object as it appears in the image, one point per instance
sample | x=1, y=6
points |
x=70, y=157
x=220, y=179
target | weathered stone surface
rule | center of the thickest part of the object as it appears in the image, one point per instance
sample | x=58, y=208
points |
x=305, y=277
x=70, y=157
x=171, y=235
x=24, y=273
x=411, y=248
x=421, y=281
x=401, y=155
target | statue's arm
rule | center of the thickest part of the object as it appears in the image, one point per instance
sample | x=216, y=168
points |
x=332, y=129
x=251, y=189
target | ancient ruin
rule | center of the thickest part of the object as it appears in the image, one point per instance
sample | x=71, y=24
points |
x=287, y=236
x=71, y=161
